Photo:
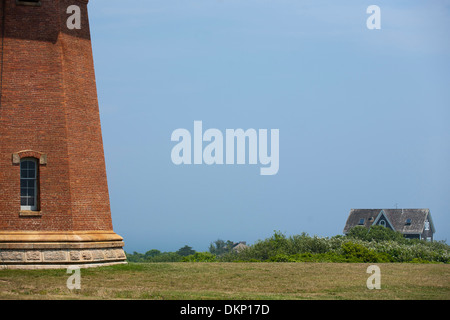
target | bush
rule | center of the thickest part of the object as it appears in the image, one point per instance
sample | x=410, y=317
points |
x=165, y=257
x=319, y=257
x=153, y=256
x=200, y=257
x=355, y=252
x=281, y=257
x=384, y=245
x=263, y=249
x=304, y=243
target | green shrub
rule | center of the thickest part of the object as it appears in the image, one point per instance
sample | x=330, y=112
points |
x=281, y=257
x=419, y=260
x=304, y=243
x=355, y=252
x=263, y=249
x=158, y=257
x=165, y=257
x=200, y=257
x=384, y=245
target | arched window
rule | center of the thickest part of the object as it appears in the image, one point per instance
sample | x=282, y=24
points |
x=28, y=184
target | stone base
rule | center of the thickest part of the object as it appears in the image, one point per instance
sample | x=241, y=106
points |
x=50, y=250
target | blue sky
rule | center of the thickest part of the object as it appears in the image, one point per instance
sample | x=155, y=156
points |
x=363, y=114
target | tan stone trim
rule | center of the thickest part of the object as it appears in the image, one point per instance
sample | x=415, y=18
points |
x=58, y=236
x=60, y=245
x=29, y=154
x=30, y=214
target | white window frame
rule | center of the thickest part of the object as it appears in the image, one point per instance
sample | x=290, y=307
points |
x=34, y=186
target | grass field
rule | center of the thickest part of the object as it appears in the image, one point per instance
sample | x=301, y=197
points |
x=269, y=281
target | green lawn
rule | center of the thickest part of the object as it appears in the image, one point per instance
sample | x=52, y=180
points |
x=254, y=281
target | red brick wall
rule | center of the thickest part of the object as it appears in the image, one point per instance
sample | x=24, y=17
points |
x=49, y=105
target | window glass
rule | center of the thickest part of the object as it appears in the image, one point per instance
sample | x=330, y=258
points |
x=28, y=184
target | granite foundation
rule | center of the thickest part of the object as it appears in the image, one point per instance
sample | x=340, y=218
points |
x=50, y=250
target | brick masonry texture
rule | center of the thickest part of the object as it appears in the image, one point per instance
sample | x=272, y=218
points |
x=49, y=106
x=49, y=111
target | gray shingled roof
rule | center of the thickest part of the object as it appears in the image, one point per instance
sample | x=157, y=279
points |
x=397, y=217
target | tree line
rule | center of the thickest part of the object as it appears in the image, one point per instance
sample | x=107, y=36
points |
x=216, y=249
x=377, y=244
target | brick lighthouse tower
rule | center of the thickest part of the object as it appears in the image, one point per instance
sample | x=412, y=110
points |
x=54, y=200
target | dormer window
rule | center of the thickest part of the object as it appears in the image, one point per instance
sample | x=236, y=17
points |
x=361, y=222
x=408, y=222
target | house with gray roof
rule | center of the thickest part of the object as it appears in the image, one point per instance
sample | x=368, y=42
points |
x=412, y=223
x=239, y=246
